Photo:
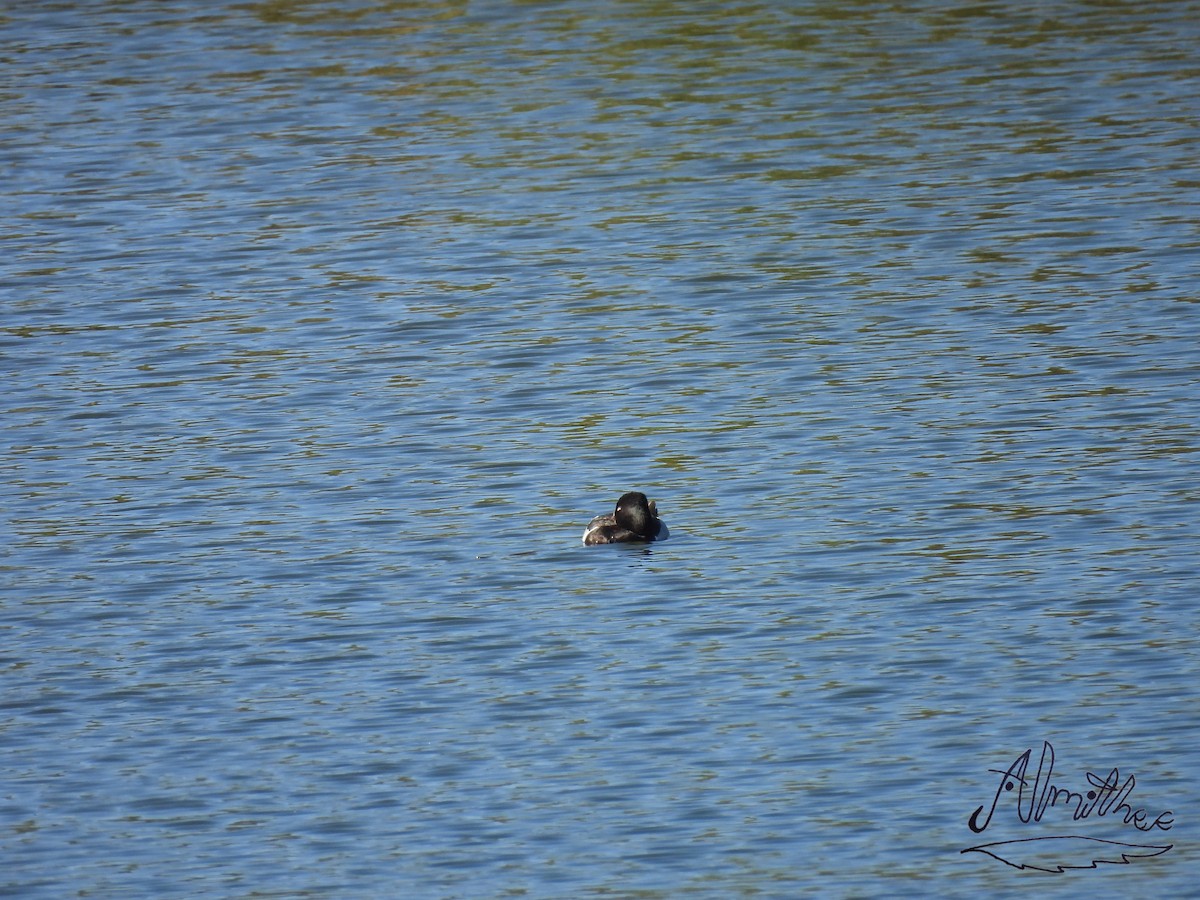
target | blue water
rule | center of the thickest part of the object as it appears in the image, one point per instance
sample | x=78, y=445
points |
x=327, y=328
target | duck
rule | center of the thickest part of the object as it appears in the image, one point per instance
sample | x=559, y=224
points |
x=634, y=519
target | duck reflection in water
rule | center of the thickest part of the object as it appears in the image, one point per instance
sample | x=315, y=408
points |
x=634, y=520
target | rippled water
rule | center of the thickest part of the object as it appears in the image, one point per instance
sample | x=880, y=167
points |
x=327, y=327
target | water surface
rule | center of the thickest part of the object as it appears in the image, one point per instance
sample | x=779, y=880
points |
x=327, y=327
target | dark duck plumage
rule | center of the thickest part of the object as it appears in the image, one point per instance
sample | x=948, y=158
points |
x=634, y=519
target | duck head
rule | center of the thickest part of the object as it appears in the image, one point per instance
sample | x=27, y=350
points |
x=637, y=514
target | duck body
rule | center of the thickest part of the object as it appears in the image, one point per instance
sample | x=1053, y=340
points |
x=635, y=519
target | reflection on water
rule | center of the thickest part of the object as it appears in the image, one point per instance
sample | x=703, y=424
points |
x=327, y=329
